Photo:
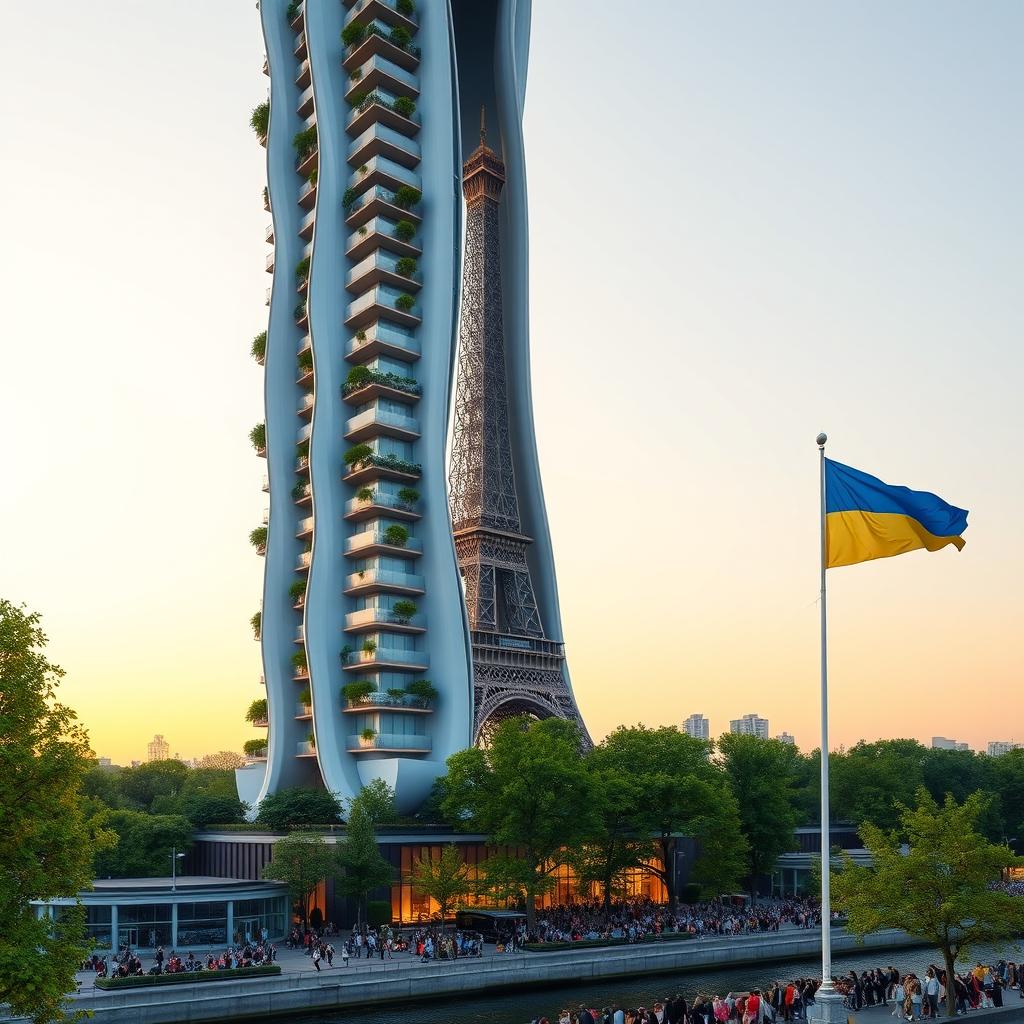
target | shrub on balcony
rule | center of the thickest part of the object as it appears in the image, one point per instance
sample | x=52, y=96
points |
x=300, y=490
x=258, y=436
x=257, y=710
x=357, y=99
x=258, y=537
x=353, y=34
x=396, y=535
x=300, y=311
x=311, y=740
x=400, y=37
x=404, y=610
x=407, y=197
x=299, y=661
x=356, y=74
x=305, y=141
x=260, y=120
x=390, y=461
x=302, y=449
x=405, y=302
x=306, y=360
x=259, y=346
x=314, y=176
x=349, y=197
x=422, y=689
x=368, y=735
x=396, y=693
x=406, y=266
x=406, y=7
x=358, y=377
x=365, y=494
x=293, y=9
x=404, y=106
x=358, y=690
x=408, y=496
x=256, y=622
x=306, y=697
x=296, y=590
x=369, y=646
x=405, y=231
x=302, y=268
x=266, y=196
x=255, y=748
x=357, y=454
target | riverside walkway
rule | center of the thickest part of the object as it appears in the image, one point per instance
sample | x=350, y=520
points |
x=299, y=988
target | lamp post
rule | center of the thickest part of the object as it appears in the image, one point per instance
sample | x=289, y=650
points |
x=175, y=857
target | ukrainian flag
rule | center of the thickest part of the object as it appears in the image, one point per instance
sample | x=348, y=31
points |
x=865, y=518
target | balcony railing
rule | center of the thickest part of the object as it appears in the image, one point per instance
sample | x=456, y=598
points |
x=303, y=710
x=416, y=660
x=305, y=557
x=385, y=579
x=381, y=299
x=306, y=749
x=357, y=543
x=389, y=741
x=376, y=423
x=373, y=617
x=381, y=336
x=380, y=699
x=380, y=140
x=305, y=527
x=380, y=500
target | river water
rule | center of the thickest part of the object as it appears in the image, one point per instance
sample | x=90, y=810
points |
x=521, y=1006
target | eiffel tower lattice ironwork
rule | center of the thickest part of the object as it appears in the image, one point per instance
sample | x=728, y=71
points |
x=516, y=669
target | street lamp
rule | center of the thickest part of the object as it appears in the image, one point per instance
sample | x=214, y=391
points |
x=175, y=857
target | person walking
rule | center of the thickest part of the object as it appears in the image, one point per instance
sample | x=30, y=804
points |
x=316, y=958
x=931, y=993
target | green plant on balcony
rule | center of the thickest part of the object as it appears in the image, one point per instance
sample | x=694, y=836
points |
x=408, y=496
x=350, y=196
x=404, y=610
x=396, y=693
x=406, y=266
x=404, y=106
x=266, y=196
x=407, y=197
x=257, y=711
x=357, y=692
x=406, y=7
x=300, y=311
x=258, y=436
x=299, y=662
x=306, y=360
x=405, y=231
x=423, y=690
x=305, y=141
x=302, y=449
x=400, y=37
x=293, y=9
x=358, y=377
x=396, y=536
x=353, y=34
x=314, y=176
x=368, y=735
x=300, y=490
x=256, y=622
x=297, y=590
x=311, y=740
x=360, y=335
x=302, y=268
x=364, y=230
x=405, y=302
x=357, y=99
x=363, y=168
x=255, y=748
x=306, y=698
x=345, y=654
x=260, y=120
x=390, y=461
x=365, y=494
x=356, y=74
x=357, y=455
x=258, y=537
x=258, y=349
x=369, y=646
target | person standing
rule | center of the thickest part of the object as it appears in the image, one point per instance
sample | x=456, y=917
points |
x=316, y=958
x=931, y=993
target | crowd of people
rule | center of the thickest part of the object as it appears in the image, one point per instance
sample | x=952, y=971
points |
x=127, y=963
x=426, y=943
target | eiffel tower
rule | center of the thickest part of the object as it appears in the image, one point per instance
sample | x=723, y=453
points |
x=517, y=670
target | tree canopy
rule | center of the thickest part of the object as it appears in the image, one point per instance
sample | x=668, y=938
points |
x=362, y=868
x=301, y=860
x=299, y=808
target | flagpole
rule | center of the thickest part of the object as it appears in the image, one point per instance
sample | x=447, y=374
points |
x=826, y=989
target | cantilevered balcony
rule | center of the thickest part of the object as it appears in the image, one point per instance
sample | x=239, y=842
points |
x=380, y=140
x=305, y=164
x=270, y=262
x=303, y=712
x=381, y=468
x=382, y=338
x=305, y=528
x=305, y=557
x=260, y=723
x=305, y=107
x=381, y=301
x=376, y=45
x=306, y=225
x=377, y=505
x=305, y=409
x=297, y=20
x=369, y=620
x=382, y=385
x=302, y=494
x=381, y=268
x=379, y=108
x=300, y=50
x=377, y=423
x=383, y=172
x=362, y=12
x=383, y=581
x=302, y=464
x=376, y=542
x=300, y=634
x=303, y=78
x=385, y=658
x=307, y=748
x=378, y=201
x=307, y=194
x=379, y=72
x=268, y=235
x=379, y=233
x=391, y=743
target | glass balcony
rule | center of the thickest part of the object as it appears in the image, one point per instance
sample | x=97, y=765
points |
x=305, y=557
x=357, y=509
x=306, y=225
x=383, y=338
x=381, y=268
x=380, y=301
x=300, y=45
x=376, y=423
x=390, y=741
x=364, y=11
x=371, y=542
x=379, y=233
x=303, y=79
x=381, y=171
x=270, y=262
x=380, y=72
x=377, y=43
x=385, y=657
x=378, y=108
x=269, y=234
x=303, y=711
x=367, y=619
x=384, y=580
x=380, y=140
x=306, y=749
x=307, y=195
x=305, y=528
x=300, y=634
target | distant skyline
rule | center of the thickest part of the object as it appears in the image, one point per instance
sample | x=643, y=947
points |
x=807, y=218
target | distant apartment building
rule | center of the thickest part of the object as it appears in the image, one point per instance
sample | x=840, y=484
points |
x=943, y=743
x=750, y=725
x=158, y=749
x=698, y=727
x=997, y=748
x=785, y=737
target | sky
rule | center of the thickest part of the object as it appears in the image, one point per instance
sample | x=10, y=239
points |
x=749, y=223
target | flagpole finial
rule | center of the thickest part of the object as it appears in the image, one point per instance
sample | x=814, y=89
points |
x=821, y=439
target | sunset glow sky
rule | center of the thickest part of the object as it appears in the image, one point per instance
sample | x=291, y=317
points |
x=750, y=222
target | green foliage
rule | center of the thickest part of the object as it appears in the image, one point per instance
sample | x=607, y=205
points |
x=144, y=843
x=301, y=860
x=293, y=9
x=405, y=302
x=256, y=622
x=302, y=268
x=405, y=231
x=368, y=734
x=299, y=660
x=404, y=609
x=300, y=490
x=349, y=197
x=205, y=809
x=357, y=454
x=406, y=266
x=357, y=99
x=369, y=646
x=258, y=436
x=365, y=376
x=358, y=377
x=305, y=141
x=529, y=790
x=255, y=748
x=406, y=7
x=258, y=349
x=358, y=690
x=297, y=589
x=365, y=494
x=760, y=776
x=362, y=868
x=396, y=535
x=260, y=120
x=305, y=359
x=407, y=197
x=299, y=312
x=46, y=843
x=187, y=977
x=353, y=34
x=400, y=37
x=142, y=785
x=306, y=697
x=445, y=880
x=423, y=689
x=377, y=800
x=302, y=449
x=257, y=710
x=378, y=912
x=408, y=495
x=258, y=537
x=404, y=106
x=938, y=890
x=299, y=808
x=313, y=176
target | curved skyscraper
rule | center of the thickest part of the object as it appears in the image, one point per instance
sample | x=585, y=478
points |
x=371, y=666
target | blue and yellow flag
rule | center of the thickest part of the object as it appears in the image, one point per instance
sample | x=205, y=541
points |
x=865, y=518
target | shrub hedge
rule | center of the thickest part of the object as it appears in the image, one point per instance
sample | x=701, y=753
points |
x=188, y=977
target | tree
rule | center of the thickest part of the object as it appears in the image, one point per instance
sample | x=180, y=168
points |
x=683, y=792
x=871, y=780
x=377, y=799
x=298, y=808
x=46, y=845
x=223, y=759
x=204, y=809
x=144, y=843
x=444, y=880
x=938, y=888
x=302, y=861
x=530, y=790
x=362, y=867
x=760, y=776
x=142, y=785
